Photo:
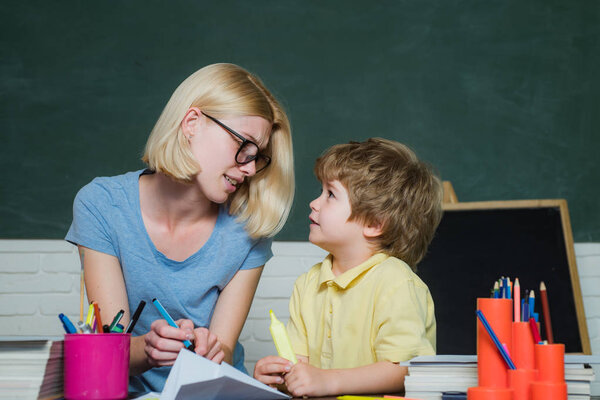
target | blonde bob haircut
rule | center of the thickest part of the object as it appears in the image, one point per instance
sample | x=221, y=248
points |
x=387, y=186
x=263, y=202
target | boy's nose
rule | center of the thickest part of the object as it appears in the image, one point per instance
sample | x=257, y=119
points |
x=313, y=204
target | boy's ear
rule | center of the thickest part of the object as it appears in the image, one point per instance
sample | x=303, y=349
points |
x=373, y=230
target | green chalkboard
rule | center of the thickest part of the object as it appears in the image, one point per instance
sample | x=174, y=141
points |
x=501, y=95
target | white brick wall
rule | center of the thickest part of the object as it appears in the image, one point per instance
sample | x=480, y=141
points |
x=40, y=278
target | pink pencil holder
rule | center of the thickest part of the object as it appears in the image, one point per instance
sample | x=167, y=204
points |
x=96, y=366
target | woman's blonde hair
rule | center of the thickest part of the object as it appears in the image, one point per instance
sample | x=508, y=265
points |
x=263, y=202
x=388, y=186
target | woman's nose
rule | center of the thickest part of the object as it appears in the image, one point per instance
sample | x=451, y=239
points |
x=248, y=169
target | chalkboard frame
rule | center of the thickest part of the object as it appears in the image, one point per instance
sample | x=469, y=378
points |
x=561, y=206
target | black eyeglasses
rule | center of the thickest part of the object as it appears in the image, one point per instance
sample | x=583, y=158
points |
x=248, y=150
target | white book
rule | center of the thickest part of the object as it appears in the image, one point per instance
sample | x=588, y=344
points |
x=433, y=395
x=438, y=396
x=195, y=377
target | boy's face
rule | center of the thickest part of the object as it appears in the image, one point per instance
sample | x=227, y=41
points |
x=329, y=225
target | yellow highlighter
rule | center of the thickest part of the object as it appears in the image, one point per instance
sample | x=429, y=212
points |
x=90, y=315
x=281, y=339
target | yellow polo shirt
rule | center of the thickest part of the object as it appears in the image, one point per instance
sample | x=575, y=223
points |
x=379, y=310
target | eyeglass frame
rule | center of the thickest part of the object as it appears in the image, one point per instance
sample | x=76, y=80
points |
x=244, y=143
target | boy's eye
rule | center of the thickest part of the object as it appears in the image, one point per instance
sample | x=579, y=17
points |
x=330, y=194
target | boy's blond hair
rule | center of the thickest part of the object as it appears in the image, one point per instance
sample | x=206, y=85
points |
x=388, y=185
x=225, y=90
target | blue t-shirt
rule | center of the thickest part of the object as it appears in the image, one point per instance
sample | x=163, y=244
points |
x=107, y=218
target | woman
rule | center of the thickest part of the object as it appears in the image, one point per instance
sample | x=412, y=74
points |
x=194, y=229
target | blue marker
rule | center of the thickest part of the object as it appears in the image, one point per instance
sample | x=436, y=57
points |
x=69, y=327
x=171, y=322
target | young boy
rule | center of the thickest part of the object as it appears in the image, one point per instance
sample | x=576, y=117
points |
x=361, y=311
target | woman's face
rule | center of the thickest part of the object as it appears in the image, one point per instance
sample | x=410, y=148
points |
x=215, y=149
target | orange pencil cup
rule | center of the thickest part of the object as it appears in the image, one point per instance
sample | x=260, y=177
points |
x=520, y=381
x=522, y=346
x=550, y=362
x=491, y=367
x=548, y=390
x=489, y=393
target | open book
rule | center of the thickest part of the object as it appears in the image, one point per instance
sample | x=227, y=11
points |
x=195, y=377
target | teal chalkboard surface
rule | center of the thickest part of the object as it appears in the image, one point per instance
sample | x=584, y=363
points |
x=501, y=96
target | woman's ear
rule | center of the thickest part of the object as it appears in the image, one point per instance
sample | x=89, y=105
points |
x=191, y=122
x=373, y=230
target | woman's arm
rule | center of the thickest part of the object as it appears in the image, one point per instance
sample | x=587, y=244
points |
x=105, y=285
x=380, y=377
x=232, y=308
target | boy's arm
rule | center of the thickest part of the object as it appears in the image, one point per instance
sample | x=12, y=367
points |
x=380, y=377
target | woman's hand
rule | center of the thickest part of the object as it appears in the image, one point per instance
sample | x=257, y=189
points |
x=207, y=344
x=163, y=342
x=270, y=370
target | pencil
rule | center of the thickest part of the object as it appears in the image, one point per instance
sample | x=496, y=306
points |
x=531, y=303
x=98, y=319
x=546, y=313
x=81, y=287
x=495, y=339
x=534, y=330
x=517, y=300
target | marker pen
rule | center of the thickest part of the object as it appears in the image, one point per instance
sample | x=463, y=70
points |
x=188, y=345
x=67, y=324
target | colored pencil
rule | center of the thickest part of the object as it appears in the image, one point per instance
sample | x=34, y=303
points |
x=534, y=330
x=495, y=339
x=546, y=313
x=517, y=300
x=81, y=286
x=531, y=303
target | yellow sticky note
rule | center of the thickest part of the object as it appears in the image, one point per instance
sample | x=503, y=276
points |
x=281, y=339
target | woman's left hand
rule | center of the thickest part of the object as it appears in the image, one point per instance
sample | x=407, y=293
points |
x=207, y=345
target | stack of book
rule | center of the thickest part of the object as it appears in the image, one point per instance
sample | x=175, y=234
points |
x=430, y=376
x=31, y=369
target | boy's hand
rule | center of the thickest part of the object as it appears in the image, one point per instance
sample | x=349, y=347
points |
x=269, y=370
x=306, y=380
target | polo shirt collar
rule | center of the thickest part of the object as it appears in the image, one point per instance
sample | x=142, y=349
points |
x=345, y=279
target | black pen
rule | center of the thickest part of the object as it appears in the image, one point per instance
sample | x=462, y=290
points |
x=136, y=316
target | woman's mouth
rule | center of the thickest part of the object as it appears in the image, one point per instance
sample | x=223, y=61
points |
x=231, y=181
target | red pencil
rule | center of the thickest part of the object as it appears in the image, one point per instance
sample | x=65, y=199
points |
x=546, y=313
x=534, y=330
